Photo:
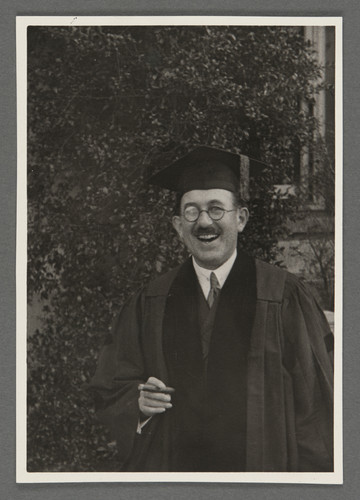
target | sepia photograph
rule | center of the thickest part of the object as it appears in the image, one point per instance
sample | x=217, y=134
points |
x=179, y=249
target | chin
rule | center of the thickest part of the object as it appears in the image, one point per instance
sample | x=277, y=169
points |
x=209, y=262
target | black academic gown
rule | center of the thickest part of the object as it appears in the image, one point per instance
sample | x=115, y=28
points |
x=288, y=422
x=209, y=405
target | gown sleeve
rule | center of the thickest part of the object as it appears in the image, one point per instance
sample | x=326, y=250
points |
x=119, y=371
x=308, y=355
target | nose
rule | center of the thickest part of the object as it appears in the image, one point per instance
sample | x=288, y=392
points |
x=204, y=219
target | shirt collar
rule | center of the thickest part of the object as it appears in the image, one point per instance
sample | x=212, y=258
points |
x=221, y=273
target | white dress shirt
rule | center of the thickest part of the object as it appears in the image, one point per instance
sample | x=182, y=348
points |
x=222, y=272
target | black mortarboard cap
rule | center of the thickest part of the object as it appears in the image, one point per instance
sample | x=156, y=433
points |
x=209, y=168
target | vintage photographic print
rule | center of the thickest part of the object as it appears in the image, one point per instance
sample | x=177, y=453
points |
x=179, y=251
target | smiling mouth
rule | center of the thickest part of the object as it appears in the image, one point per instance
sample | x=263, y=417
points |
x=207, y=238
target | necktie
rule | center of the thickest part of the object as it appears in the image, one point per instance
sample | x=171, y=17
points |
x=214, y=289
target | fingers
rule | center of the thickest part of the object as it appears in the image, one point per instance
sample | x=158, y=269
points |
x=156, y=396
x=153, y=403
x=150, y=412
x=155, y=381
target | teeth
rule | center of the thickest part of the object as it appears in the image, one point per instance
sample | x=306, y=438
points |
x=207, y=237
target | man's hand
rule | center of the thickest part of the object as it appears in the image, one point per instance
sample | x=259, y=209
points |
x=152, y=403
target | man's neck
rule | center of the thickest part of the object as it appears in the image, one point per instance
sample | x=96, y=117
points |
x=221, y=273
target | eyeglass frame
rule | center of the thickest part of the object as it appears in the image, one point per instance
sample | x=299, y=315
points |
x=224, y=210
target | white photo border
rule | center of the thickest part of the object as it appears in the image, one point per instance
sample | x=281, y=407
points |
x=22, y=476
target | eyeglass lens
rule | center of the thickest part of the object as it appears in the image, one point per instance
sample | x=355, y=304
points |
x=191, y=214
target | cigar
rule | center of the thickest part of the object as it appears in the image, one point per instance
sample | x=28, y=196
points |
x=154, y=388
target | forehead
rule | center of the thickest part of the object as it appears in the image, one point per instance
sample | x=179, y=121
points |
x=204, y=196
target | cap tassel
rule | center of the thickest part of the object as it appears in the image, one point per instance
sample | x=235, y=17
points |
x=244, y=184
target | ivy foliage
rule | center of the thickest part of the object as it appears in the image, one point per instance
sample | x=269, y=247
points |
x=107, y=106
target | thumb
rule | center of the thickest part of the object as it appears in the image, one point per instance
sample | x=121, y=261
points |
x=155, y=381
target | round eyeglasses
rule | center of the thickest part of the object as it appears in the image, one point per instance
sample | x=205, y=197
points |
x=192, y=213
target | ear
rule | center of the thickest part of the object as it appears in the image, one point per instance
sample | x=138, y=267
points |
x=243, y=217
x=177, y=225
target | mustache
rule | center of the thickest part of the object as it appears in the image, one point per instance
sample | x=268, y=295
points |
x=204, y=232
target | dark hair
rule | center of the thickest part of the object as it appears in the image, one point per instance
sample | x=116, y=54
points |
x=237, y=200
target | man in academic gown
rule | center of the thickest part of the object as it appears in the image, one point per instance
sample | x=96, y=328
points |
x=243, y=344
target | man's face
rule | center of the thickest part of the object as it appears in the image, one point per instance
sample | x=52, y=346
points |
x=210, y=242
